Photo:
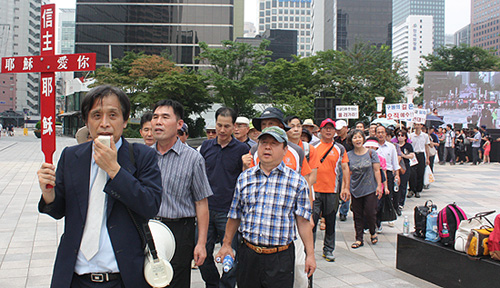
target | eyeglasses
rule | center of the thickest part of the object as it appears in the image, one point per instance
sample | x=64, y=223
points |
x=180, y=133
x=211, y=132
x=401, y=135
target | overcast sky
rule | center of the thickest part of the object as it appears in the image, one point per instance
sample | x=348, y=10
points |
x=457, y=12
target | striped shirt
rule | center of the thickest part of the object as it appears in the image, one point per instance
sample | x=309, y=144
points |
x=267, y=205
x=184, y=181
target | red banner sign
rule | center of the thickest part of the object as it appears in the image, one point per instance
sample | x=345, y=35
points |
x=52, y=63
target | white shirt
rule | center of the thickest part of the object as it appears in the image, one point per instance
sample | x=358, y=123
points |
x=104, y=260
x=388, y=151
x=419, y=141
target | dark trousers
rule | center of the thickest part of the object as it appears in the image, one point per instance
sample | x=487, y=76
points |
x=364, y=208
x=209, y=272
x=84, y=282
x=184, y=233
x=403, y=186
x=475, y=155
x=431, y=162
x=326, y=205
x=417, y=174
x=449, y=151
x=461, y=156
x=265, y=270
x=441, y=152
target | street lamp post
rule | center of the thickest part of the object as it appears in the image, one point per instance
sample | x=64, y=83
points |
x=380, y=101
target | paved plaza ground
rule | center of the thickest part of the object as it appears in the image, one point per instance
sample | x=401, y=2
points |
x=28, y=240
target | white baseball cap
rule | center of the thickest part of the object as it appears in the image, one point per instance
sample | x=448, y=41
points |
x=242, y=120
x=339, y=124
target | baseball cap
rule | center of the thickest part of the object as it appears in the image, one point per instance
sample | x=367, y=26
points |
x=371, y=143
x=309, y=135
x=269, y=113
x=242, y=120
x=327, y=121
x=184, y=128
x=339, y=124
x=308, y=122
x=276, y=132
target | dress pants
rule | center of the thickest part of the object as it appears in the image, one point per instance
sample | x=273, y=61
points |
x=417, y=174
x=326, y=205
x=364, y=209
x=184, y=233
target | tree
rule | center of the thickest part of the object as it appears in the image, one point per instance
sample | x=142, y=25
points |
x=359, y=75
x=457, y=58
x=290, y=86
x=149, y=78
x=235, y=73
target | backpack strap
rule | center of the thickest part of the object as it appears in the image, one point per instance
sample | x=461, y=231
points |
x=326, y=154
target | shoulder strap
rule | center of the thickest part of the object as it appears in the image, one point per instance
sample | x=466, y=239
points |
x=327, y=152
x=306, y=150
x=145, y=232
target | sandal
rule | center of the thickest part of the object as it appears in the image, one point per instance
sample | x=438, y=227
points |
x=357, y=244
x=374, y=239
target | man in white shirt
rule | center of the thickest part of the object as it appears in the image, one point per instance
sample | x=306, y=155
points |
x=420, y=142
x=389, y=152
x=449, y=146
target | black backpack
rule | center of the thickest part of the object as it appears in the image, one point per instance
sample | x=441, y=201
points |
x=420, y=217
x=448, y=220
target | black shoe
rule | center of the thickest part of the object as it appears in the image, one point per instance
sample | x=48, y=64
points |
x=398, y=211
x=343, y=217
x=410, y=194
x=417, y=194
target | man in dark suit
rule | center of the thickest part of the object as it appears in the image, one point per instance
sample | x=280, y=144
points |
x=109, y=250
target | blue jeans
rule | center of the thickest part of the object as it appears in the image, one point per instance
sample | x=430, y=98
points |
x=344, y=207
x=209, y=272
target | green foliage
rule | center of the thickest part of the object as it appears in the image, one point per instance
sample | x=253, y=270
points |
x=290, y=86
x=457, y=58
x=236, y=71
x=359, y=75
x=147, y=79
x=132, y=131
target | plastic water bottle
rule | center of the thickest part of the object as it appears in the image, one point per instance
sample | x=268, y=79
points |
x=227, y=264
x=445, y=229
x=396, y=185
x=406, y=226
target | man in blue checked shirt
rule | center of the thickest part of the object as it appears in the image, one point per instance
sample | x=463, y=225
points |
x=268, y=200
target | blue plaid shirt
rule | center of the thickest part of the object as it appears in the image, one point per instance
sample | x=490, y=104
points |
x=267, y=205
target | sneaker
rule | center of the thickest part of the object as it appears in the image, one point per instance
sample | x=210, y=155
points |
x=427, y=186
x=329, y=256
x=398, y=212
x=379, y=229
x=401, y=207
x=366, y=231
x=391, y=223
x=417, y=194
x=410, y=194
x=343, y=217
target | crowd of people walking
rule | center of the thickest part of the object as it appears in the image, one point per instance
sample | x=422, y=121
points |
x=251, y=186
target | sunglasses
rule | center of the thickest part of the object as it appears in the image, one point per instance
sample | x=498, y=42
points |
x=211, y=132
x=180, y=133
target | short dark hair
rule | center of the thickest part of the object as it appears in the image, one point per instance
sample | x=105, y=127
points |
x=386, y=130
x=360, y=122
x=176, y=106
x=99, y=92
x=226, y=112
x=146, y=117
x=290, y=118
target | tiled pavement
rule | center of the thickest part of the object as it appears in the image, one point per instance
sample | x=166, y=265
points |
x=28, y=240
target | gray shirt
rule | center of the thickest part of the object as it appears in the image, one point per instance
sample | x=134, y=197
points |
x=363, y=180
x=184, y=181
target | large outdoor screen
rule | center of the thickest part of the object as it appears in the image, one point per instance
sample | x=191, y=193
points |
x=464, y=97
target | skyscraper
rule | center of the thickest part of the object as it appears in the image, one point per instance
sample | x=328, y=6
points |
x=462, y=36
x=485, y=24
x=289, y=15
x=110, y=28
x=20, y=36
x=367, y=21
x=411, y=40
x=435, y=8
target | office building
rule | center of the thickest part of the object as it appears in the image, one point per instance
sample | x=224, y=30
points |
x=462, y=36
x=289, y=15
x=485, y=24
x=111, y=28
x=20, y=36
x=324, y=25
x=283, y=43
x=412, y=39
x=366, y=21
x=66, y=31
x=435, y=8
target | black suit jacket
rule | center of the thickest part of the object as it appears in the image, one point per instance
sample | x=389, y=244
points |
x=135, y=186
